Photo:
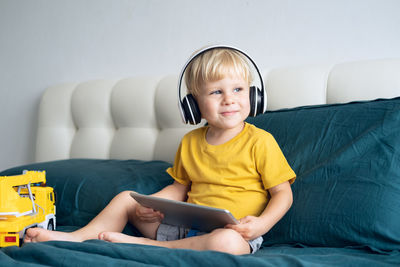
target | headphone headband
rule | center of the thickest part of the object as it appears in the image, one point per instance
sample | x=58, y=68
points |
x=208, y=48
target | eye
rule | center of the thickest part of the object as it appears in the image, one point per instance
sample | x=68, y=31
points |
x=238, y=89
x=216, y=92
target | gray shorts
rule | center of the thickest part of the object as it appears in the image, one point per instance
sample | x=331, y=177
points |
x=167, y=232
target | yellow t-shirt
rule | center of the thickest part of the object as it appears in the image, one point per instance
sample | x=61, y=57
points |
x=233, y=175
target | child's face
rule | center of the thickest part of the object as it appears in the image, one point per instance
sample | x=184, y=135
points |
x=225, y=103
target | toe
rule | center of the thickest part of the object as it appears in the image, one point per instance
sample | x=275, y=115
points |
x=103, y=236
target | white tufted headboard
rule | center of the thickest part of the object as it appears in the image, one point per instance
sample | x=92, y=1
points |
x=138, y=118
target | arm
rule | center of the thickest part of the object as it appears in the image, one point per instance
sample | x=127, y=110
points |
x=175, y=191
x=251, y=227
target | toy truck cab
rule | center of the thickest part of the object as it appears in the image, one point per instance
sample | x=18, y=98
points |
x=25, y=202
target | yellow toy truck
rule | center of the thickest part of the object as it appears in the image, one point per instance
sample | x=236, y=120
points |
x=25, y=201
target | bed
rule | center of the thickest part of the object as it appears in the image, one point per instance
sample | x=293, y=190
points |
x=337, y=124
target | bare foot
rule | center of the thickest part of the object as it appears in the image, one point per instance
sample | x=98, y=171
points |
x=40, y=235
x=122, y=238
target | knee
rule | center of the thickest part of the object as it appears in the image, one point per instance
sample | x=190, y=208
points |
x=124, y=198
x=228, y=241
x=124, y=195
x=124, y=201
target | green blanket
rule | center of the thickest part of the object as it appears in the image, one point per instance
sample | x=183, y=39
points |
x=99, y=253
x=346, y=209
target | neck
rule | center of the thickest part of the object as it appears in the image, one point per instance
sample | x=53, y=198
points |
x=216, y=136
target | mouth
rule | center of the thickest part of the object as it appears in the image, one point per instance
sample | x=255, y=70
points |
x=229, y=113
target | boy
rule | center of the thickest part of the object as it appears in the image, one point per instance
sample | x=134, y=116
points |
x=227, y=164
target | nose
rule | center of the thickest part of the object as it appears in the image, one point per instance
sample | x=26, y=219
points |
x=228, y=99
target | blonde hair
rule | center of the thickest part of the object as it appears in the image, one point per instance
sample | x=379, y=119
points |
x=214, y=65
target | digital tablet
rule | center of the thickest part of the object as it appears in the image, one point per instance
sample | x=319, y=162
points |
x=185, y=214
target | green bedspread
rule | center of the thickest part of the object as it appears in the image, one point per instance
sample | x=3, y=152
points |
x=100, y=253
x=346, y=209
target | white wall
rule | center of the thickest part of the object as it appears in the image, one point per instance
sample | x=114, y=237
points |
x=46, y=42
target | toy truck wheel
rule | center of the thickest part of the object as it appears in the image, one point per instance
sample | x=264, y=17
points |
x=50, y=225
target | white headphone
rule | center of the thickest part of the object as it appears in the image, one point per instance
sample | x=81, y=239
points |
x=188, y=107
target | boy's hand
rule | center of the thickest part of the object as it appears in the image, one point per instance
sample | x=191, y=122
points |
x=249, y=227
x=148, y=214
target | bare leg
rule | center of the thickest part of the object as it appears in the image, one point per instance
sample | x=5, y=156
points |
x=112, y=218
x=224, y=240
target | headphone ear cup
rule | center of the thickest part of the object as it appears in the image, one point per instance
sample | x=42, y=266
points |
x=260, y=101
x=256, y=101
x=253, y=101
x=191, y=110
